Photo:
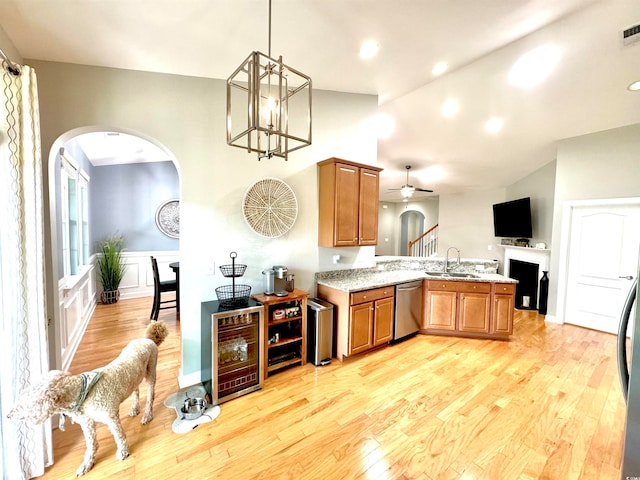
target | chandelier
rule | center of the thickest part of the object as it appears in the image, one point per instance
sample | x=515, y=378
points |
x=268, y=106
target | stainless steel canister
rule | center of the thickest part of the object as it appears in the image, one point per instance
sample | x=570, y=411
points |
x=289, y=283
x=268, y=281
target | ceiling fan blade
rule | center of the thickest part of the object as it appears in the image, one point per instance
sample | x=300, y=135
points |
x=423, y=190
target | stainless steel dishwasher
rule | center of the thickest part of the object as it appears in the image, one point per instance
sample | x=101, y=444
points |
x=408, y=309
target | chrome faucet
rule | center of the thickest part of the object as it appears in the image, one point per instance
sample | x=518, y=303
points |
x=446, y=261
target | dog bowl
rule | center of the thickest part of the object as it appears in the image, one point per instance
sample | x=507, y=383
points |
x=193, y=408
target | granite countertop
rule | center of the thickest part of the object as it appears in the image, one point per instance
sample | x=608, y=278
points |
x=354, y=280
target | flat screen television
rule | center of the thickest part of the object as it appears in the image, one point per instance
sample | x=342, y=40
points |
x=513, y=219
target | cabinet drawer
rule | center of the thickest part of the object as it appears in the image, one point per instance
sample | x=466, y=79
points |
x=474, y=287
x=453, y=286
x=441, y=286
x=505, y=288
x=372, y=295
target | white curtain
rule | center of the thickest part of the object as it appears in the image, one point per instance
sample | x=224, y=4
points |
x=24, y=357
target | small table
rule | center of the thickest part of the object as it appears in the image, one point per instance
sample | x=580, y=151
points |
x=175, y=266
x=292, y=330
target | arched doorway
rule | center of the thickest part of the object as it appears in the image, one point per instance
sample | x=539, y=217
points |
x=411, y=226
x=101, y=180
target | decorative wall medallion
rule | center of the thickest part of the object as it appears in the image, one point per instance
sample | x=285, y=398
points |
x=168, y=218
x=270, y=207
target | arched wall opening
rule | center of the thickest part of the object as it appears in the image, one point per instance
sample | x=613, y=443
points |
x=118, y=186
x=411, y=226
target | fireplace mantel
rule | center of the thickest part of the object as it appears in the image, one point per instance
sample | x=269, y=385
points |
x=540, y=256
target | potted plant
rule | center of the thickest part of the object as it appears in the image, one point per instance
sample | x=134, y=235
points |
x=111, y=268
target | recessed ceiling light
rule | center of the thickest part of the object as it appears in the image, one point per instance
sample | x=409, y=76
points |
x=635, y=86
x=534, y=66
x=450, y=107
x=439, y=68
x=493, y=125
x=369, y=49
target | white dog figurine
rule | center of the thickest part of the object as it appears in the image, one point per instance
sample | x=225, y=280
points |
x=96, y=396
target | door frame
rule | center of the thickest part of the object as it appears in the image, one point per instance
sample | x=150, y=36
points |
x=565, y=241
x=52, y=268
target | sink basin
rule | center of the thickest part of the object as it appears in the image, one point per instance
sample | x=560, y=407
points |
x=452, y=274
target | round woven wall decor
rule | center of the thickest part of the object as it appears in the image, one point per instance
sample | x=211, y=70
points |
x=270, y=207
x=168, y=218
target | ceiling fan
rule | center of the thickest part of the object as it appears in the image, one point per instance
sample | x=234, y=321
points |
x=408, y=190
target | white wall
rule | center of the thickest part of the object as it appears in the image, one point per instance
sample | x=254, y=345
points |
x=600, y=165
x=187, y=116
x=9, y=48
x=540, y=187
x=466, y=222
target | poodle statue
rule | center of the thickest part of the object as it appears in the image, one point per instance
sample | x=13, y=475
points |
x=96, y=396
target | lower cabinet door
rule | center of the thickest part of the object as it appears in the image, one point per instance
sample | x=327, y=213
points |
x=475, y=313
x=441, y=310
x=502, y=321
x=360, y=328
x=383, y=321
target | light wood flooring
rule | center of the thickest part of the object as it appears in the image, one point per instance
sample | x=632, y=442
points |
x=544, y=405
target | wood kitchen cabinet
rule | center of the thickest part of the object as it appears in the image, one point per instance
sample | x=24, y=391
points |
x=503, y=307
x=364, y=320
x=468, y=308
x=475, y=307
x=348, y=203
x=441, y=310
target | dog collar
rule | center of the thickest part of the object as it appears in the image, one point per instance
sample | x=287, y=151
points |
x=88, y=380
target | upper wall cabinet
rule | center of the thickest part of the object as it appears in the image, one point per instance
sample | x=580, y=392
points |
x=348, y=197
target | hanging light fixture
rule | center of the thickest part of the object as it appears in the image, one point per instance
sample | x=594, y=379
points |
x=268, y=106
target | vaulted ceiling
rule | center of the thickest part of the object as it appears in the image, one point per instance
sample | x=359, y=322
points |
x=586, y=91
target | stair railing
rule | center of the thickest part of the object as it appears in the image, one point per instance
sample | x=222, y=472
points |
x=426, y=245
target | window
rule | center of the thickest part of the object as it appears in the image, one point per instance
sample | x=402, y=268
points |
x=74, y=216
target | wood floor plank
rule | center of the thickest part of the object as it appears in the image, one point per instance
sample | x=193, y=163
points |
x=545, y=404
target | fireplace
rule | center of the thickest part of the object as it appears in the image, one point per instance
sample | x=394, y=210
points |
x=527, y=287
x=533, y=259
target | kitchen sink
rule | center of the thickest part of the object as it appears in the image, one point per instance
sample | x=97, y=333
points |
x=452, y=274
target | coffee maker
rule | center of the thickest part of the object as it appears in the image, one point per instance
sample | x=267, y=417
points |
x=277, y=281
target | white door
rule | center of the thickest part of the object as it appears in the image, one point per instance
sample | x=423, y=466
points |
x=603, y=260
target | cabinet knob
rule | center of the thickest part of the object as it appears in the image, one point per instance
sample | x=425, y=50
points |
x=475, y=287
x=364, y=296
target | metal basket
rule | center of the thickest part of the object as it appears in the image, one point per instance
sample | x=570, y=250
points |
x=233, y=295
x=234, y=270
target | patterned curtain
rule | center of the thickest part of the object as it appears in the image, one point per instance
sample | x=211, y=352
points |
x=24, y=355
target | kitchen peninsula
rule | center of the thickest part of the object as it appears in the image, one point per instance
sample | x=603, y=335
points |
x=468, y=299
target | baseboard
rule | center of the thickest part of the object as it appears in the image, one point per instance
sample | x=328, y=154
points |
x=553, y=319
x=189, y=380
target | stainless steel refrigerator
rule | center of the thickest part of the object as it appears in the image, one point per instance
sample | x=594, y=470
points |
x=629, y=370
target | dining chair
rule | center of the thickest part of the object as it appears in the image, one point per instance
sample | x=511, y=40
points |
x=160, y=287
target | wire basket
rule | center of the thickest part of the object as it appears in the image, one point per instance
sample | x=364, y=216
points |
x=234, y=270
x=233, y=295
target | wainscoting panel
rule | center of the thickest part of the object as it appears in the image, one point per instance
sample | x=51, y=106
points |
x=79, y=294
x=138, y=278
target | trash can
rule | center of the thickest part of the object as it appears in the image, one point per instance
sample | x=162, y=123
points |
x=319, y=331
